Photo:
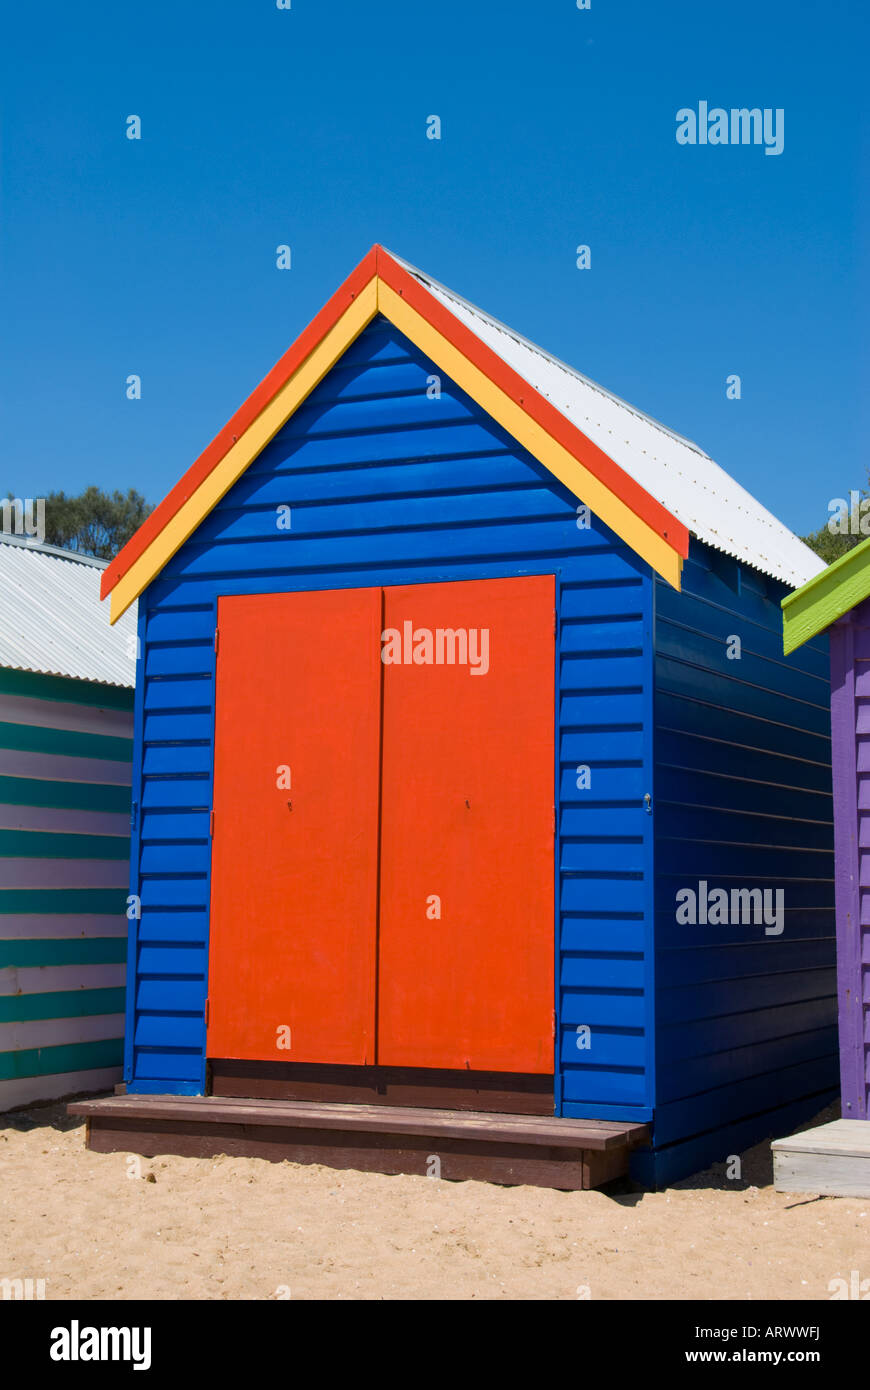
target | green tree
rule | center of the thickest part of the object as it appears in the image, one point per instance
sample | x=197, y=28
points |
x=95, y=522
x=831, y=544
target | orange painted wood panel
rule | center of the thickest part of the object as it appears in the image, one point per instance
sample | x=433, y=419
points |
x=294, y=869
x=466, y=939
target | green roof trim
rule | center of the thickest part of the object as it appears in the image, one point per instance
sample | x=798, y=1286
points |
x=826, y=597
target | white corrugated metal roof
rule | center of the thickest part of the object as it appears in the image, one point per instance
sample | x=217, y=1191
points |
x=52, y=620
x=676, y=472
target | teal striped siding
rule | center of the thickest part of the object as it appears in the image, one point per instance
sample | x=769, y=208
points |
x=62, y=951
x=60, y=1003
x=63, y=1058
x=65, y=764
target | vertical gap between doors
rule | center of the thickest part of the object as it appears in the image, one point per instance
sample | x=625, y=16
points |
x=377, y=971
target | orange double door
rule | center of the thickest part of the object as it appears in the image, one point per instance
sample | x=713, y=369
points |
x=382, y=858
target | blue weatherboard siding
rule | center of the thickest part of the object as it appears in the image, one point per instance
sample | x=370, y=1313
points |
x=745, y=1023
x=390, y=486
x=605, y=848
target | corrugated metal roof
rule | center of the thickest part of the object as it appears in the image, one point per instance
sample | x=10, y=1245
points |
x=684, y=479
x=51, y=618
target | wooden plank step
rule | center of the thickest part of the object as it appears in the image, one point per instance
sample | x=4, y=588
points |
x=542, y=1151
x=832, y=1160
x=535, y=1129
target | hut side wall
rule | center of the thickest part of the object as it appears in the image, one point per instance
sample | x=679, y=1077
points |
x=65, y=751
x=392, y=481
x=850, y=739
x=745, y=1017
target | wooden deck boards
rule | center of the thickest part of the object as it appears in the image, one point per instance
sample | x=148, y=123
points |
x=542, y=1151
x=832, y=1160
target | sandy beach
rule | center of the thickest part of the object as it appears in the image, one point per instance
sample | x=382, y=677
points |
x=117, y=1227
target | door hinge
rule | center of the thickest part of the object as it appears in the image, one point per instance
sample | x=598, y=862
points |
x=217, y=633
x=553, y=1024
x=211, y=825
x=555, y=623
x=554, y=820
x=207, y=1003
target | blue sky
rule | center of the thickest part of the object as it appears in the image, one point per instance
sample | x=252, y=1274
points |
x=308, y=127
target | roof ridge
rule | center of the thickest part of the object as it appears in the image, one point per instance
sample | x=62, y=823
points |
x=43, y=548
x=550, y=357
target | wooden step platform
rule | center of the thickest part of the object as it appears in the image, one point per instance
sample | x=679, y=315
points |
x=832, y=1160
x=513, y=1149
